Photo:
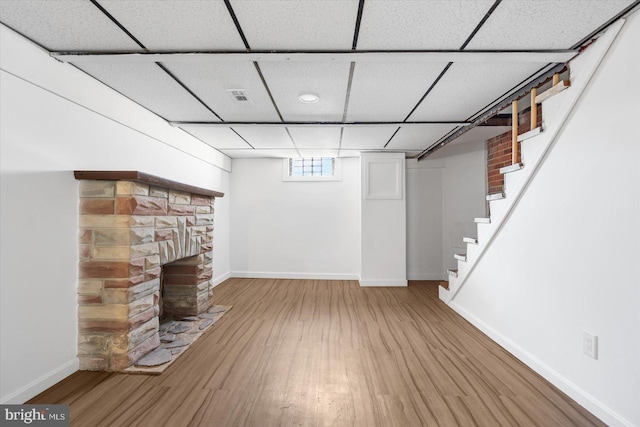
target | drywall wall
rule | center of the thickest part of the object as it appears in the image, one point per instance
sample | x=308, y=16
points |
x=445, y=192
x=293, y=229
x=564, y=262
x=55, y=119
x=383, y=220
x=425, y=222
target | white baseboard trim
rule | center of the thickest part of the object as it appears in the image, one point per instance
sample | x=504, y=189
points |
x=427, y=276
x=391, y=282
x=39, y=385
x=220, y=279
x=302, y=276
x=590, y=403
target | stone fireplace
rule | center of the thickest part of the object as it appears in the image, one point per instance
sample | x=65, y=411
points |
x=134, y=230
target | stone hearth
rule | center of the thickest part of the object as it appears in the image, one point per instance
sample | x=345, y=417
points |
x=130, y=226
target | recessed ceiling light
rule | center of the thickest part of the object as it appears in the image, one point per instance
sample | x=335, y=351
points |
x=309, y=98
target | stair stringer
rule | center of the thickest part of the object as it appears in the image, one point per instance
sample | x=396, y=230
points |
x=557, y=110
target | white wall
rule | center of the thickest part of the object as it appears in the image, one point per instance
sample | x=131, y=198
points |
x=425, y=221
x=293, y=229
x=445, y=192
x=55, y=119
x=566, y=260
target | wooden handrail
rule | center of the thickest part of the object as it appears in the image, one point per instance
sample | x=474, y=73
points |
x=514, y=132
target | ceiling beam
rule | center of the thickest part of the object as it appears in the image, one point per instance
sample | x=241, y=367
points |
x=549, y=56
x=312, y=124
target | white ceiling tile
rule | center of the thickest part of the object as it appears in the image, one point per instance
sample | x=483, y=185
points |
x=297, y=25
x=419, y=24
x=152, y=88
x=248, y=153
x=418, y=137
x=366, y=138
x=266, y=137
x=544, y=24
x=316, y=137
x=278, y=153
x=221, y=138
x=316, y=152
x=388, y=91
x=65, y=25
x=210, y=82
x=288, y=80
x=170, y=25
x=468, y=87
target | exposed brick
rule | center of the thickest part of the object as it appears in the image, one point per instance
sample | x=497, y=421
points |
x=85, y=236
x=183, y=269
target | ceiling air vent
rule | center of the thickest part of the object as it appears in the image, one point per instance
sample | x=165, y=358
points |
x=240, y=95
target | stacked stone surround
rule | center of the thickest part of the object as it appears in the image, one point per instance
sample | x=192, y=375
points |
x=128, y=231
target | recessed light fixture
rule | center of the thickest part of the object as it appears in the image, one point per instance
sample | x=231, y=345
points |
x=308, y=98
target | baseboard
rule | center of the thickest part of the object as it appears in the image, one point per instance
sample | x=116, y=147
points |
x=392, y=282
x=41, y=384
x=215, y=282
x=590, y=403
x=427, y=276
x=302, y=276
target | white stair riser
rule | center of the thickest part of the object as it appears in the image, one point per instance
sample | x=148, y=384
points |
x=483, y=230
x=497, y=208
x=511, y=178
x=471, y=250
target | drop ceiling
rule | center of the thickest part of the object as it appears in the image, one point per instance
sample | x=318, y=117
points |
x=391, y=75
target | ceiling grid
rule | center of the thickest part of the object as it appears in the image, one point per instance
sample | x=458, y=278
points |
x=392, y=75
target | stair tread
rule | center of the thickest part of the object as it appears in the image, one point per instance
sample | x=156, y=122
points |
x=511, y=168
x=533, y=132
x=495, y=196
x=471, y=240
x=460, y=257
x=453, y=273
x=482, y=220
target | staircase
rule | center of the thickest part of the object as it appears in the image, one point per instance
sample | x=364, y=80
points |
x=534, y=145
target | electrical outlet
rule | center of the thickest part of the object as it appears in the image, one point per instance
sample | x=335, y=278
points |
x=590, y=344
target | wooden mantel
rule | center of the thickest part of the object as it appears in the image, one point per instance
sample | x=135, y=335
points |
x=146, y=179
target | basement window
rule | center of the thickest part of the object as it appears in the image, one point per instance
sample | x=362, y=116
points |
x=311, y=169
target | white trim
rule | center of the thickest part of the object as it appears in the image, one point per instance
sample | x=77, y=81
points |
x=42, y=383
x=426, y=276
x=385, y=283
x=589, y=402
x=215, y=282
x=397, y=178
x=301, y=276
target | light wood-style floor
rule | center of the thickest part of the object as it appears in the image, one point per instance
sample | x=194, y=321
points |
x=318, y=353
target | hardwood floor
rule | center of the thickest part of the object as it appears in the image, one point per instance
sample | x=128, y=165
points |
x=317, y=353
